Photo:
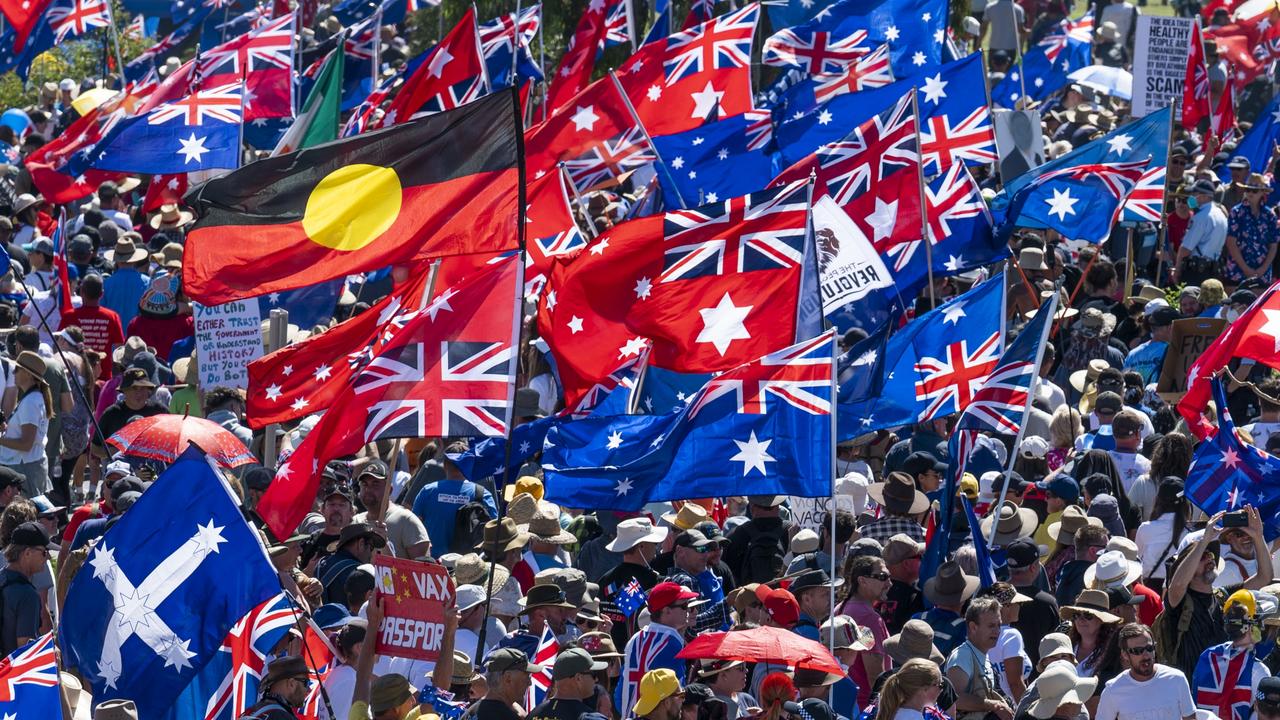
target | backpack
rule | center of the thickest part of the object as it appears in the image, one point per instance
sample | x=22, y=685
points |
x=469, y=522
x=762, y=560
x=1168, y=632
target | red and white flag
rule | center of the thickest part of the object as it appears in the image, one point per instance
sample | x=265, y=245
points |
x=453, y=75
x=1195, y=88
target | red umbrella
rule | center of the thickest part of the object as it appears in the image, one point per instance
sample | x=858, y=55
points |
x=775, y=645
x=165, y=437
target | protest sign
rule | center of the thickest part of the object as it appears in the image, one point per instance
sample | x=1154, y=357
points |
x=1190, y=337
x=1159, y=63
x=849, y=266
x=228, y=338
x=414, y=595
x=1019, y=142
x=807, y=512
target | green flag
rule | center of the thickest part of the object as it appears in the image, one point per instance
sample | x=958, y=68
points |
x=320, y=118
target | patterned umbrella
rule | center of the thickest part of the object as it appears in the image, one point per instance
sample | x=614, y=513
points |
x=165, y=437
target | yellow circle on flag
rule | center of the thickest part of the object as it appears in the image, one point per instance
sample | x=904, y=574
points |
x=352, y=206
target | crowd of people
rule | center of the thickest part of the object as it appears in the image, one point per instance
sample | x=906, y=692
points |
x=1114, y=597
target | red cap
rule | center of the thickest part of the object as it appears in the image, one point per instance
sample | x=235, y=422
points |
x=780, y=604
x=664, y=594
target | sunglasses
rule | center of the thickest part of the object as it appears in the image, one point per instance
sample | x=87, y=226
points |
x=1141, y=649
x=881, y=576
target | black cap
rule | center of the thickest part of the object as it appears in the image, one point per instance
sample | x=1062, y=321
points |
x=258, y=478
x=697, y=694
x=11, y=478
x=1269, y=691
x=1108, y=403
x=712, y=531
x=128, y=483
x=1017, y=483
x=1021, y=553
x=374, y=468
x=922, y=462
x=1117, y=596
x=1243, y=297
x=1164, y=317
x=693, y=539
x=29, y=534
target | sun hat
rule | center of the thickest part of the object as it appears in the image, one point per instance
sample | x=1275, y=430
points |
x=849, y=635
x=1056, y=643
x=689, y=516
x=1095, y=323
x=540, y=596
x=522, y=508
x=1112, y=569
x=599, y=644
x=545, y=526
x=914, y=641
x=633, y=531
x=34, y=364
x=527, y=484
x=1123, y=545
x=289, y=666
x=469, y=596
x=502, y=536
x=1081, y=379
x=1057, y=685
x=950, y=586
x=901, y=547
x=126, y=250
x=116, y=710
x=1073, y=518
x=170, y=216
x=1012, y=522
x=464, y=672
x=714, y=666
x=1090, y=602
x=388, y=692
x=898, y=495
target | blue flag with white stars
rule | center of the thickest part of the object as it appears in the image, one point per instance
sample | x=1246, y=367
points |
x=763, y=428
x=716, y=161
x=308, y=306
x=1226, y=474
x=1143, y=139
x=1081, y=202
x=200, y=131
x=162, y=588
x=1045, y=67
x=934, y=365
x=1258, y=144
x=915, y=30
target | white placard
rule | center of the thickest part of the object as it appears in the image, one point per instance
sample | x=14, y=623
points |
x=1160, y=48
x=848, y=265
x=228, y=338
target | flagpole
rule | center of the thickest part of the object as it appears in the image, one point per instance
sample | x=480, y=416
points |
x=1164, y=238
x=484, y=68
x=293, y=59
x=986, y=90
x=634, y=116
x=835, y=389
x=115, y=41
x=303, y=619
x=515, y=43
x=1017, y=48
x=924, y=207
x=376, y=70
x=1052, y=309
x=542, y=60
x=591, y=224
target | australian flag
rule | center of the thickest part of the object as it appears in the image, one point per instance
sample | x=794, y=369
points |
x=935, y=364
x=1261, y=139
x=630, y=598
x=163, y=587
x=505, y=35
x=1226, y=474
x=29, y=681
x=761, y=428
x=721, y=159
x=1081, y=202
x=914, y=30
x=198, y=132
x=1045, y=67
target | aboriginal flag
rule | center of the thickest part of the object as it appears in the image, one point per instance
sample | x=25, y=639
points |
x=447, y=184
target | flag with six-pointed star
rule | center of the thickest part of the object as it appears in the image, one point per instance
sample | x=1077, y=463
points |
x=955, y=120
x=768, y=421
x=936, y=363
x=1045, y=67
x=448, y=370
x=1081, y=202
x=1226, y=474
x=869, y=71
x=29, y=681
x=574, y=71
x=718, y=160
x=200, y=131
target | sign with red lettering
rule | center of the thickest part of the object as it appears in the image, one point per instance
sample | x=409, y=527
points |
x=414, y=595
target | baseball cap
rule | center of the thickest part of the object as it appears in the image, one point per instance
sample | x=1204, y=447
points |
x=693, y=539
x=1268, y=691
x=1062, y=486
x=117, y=467
x=901, y=547
x=504, y=659
x=29, y=534
x=469, y=596
x=780, y=604
x=11, y=478
x=374, y=468
x=665, y=594
x=922, y=462
x=1108, y=403
x=574, y=661
x=1021, y=553
x=1163, y=316
x=656, y=686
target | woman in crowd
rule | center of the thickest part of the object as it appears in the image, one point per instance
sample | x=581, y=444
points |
x=22, y=444
x=908, y=691
x=1158, y=537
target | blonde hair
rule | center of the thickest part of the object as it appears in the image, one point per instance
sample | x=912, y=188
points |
x=914, y=675
x=1064, y=427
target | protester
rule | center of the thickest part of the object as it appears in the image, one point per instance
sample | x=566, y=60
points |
x=1146, y=686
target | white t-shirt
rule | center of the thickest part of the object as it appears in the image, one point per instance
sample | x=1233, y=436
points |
x=1131, y=466
x=1260, y=431
x=1008, y=646
x=1166, y=696
x=341, y=685
x=30, y=411
x=1152, y=538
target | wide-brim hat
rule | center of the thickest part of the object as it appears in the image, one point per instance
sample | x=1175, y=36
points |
x=1090, y=602
x=1095, y=323
x=1112, y=569
x=1081, y=379
x=471, y=569
x=116, y=710
x=545, y=526
x=34, y=364
x=1012, y=522
x=1057, y=686
x=357, y=531
x=1146, y=294
x=914, y=641
x=526, y=403
x=1032, y=258
x=290, y=666
x=599, y=644
x=502, y=536
x=1073, y=518
x=126, y=251
x=464, y=672
x=544, y=596
x=1255, y=181
x=633, y=531
x=950, y=586
x=898, y=494
x=689, y=516
x=26, y=201
x=522, y=508
x=171, y=216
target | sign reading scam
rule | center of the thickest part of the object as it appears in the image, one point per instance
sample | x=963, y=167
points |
x=1160, y=47
x=414, y=595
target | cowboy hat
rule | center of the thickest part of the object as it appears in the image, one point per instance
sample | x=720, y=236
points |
x=502, y=536
x=914, y=641
x=1081, y=379
x=464, y=673
x=1073, y=518
x=633, y=531
x=599, y=644
x=544, y=596
x=126, y=251
x=688, y=517
x=950, y=586
x=1012, y=522
x=1146, y=294
x=898, y=494
x=1090, y=602
x=118, y=710
x=1112, y=569
x=170, y=216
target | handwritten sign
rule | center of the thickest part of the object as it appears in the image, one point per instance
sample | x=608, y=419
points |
x=1160, y=47
x=414, y=595
x=228, y=338
x=1190, y=338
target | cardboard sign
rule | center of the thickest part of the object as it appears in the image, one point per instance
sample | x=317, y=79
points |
x=415, y=595
x=1190, y=338
x=228, y=338
x=1160, y=47
x=809, y=512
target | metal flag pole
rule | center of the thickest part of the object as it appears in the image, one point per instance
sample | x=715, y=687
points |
x=924, y=206
x=636, y=117
x=567, y=180
x=115, y=39
x=376, y=71
x=515, y=43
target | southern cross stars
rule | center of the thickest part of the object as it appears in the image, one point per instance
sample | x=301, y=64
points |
x=723, y=324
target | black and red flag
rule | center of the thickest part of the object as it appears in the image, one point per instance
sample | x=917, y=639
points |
x=447, y=184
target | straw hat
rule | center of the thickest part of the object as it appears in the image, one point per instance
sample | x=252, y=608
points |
x=522, y=508
x=170, y=256
x=1255, y=181
x=1082, y=379
x=1058, y=685
x=1090, y=602
x=171, y=217
x=1014, y=522
x=1073, y=518
x=464, y=673
x=915, y=641
x=471, y=569
x=545, y=526
x=34, y=364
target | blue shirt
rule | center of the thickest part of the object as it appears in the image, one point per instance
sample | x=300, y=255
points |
x=121, y=291
x=949, y=630
x=437, y=504
x=1147, y=359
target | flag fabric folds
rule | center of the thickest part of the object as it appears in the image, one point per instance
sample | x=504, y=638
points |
x=452, y=75
x=763, y=428
x=30, y=678
x=445, y=370
x=442, y=185
x=1081, y=202
x=162, y=588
